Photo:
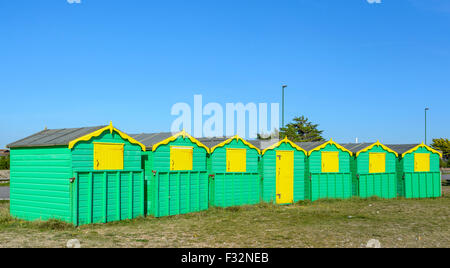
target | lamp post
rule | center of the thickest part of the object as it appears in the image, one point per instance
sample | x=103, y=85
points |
x=282, y=105
x=426, y=109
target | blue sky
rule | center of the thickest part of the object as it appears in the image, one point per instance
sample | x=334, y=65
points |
x=357, y=69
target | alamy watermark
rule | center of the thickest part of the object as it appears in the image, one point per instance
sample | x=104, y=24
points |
x=212, y=120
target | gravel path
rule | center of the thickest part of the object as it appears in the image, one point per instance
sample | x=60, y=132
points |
x=4, y=193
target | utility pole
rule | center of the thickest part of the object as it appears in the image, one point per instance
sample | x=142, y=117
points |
x=282, y=105
x=426, y=109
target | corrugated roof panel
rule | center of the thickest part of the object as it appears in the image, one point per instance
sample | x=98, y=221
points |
x=401, y=148
x=54, y=137
x=150, y=139
x=308, y=146
x=356, y=147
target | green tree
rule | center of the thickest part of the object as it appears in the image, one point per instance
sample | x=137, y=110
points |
x=301, y=130
x=442, y=145
x=4, y=162
x=264, y=136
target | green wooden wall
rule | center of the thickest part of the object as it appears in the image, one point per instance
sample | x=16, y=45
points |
x=41, y=188
x=382, y=185
x=175, y=192
x=413, y=184
x=83, y=153
x=268, y=173
x=329, y=185
x=234, y=189
x=104, y=196
x=39, y=183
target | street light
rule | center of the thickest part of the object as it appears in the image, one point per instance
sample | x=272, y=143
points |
x=282, y=105
x=426, y=109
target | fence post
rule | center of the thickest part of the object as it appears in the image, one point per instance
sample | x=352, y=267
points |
x=130, y=196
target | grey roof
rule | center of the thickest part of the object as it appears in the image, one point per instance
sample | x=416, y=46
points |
x=401, y=148
x=211, y=142
x=54, y=137
x=150, y=139
x=356, y=147
x=308, y=146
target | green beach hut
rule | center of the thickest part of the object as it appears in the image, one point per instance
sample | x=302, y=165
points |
x=176, y=174
x=77, y=175
x=374, y=170
x=234, y=169
x=419, y=175
x=283, y=171
x=328, y=169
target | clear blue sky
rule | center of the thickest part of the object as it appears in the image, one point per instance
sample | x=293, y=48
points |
x=357, y=69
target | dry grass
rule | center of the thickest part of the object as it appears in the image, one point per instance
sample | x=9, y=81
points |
x=326, y=223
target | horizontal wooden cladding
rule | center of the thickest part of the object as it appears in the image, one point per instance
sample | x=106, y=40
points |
x=40, y=183
x=83, y=152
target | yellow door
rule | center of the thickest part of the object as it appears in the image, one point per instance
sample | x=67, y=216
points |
x=330, y=162
x=181, y=158
x=285, y=177
x=108, y=156
x=421, y=162
x=377, y=162
x=236, y=160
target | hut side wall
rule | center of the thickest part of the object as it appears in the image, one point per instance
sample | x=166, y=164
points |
x=329, y=185
x=107, y=195
x=419, y=184
x=39, y=183
x=383, y=185
x=234, y=189
x=176, y=192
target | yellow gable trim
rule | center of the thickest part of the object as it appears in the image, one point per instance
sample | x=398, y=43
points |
x=285, y=140
x=420, y=146
x=174, y=137
x=99, y=132
x=378, y=143
x=330, y=142
x=235, y=138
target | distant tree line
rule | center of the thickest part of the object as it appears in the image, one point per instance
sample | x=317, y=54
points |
x=302, y=130
x=299, y=130
x=443, y=145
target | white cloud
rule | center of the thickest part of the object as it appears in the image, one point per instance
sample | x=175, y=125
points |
x=374, y=1
x=74, y=1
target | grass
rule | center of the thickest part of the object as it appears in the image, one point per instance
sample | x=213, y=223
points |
x=4, y=184
x=325, y=223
